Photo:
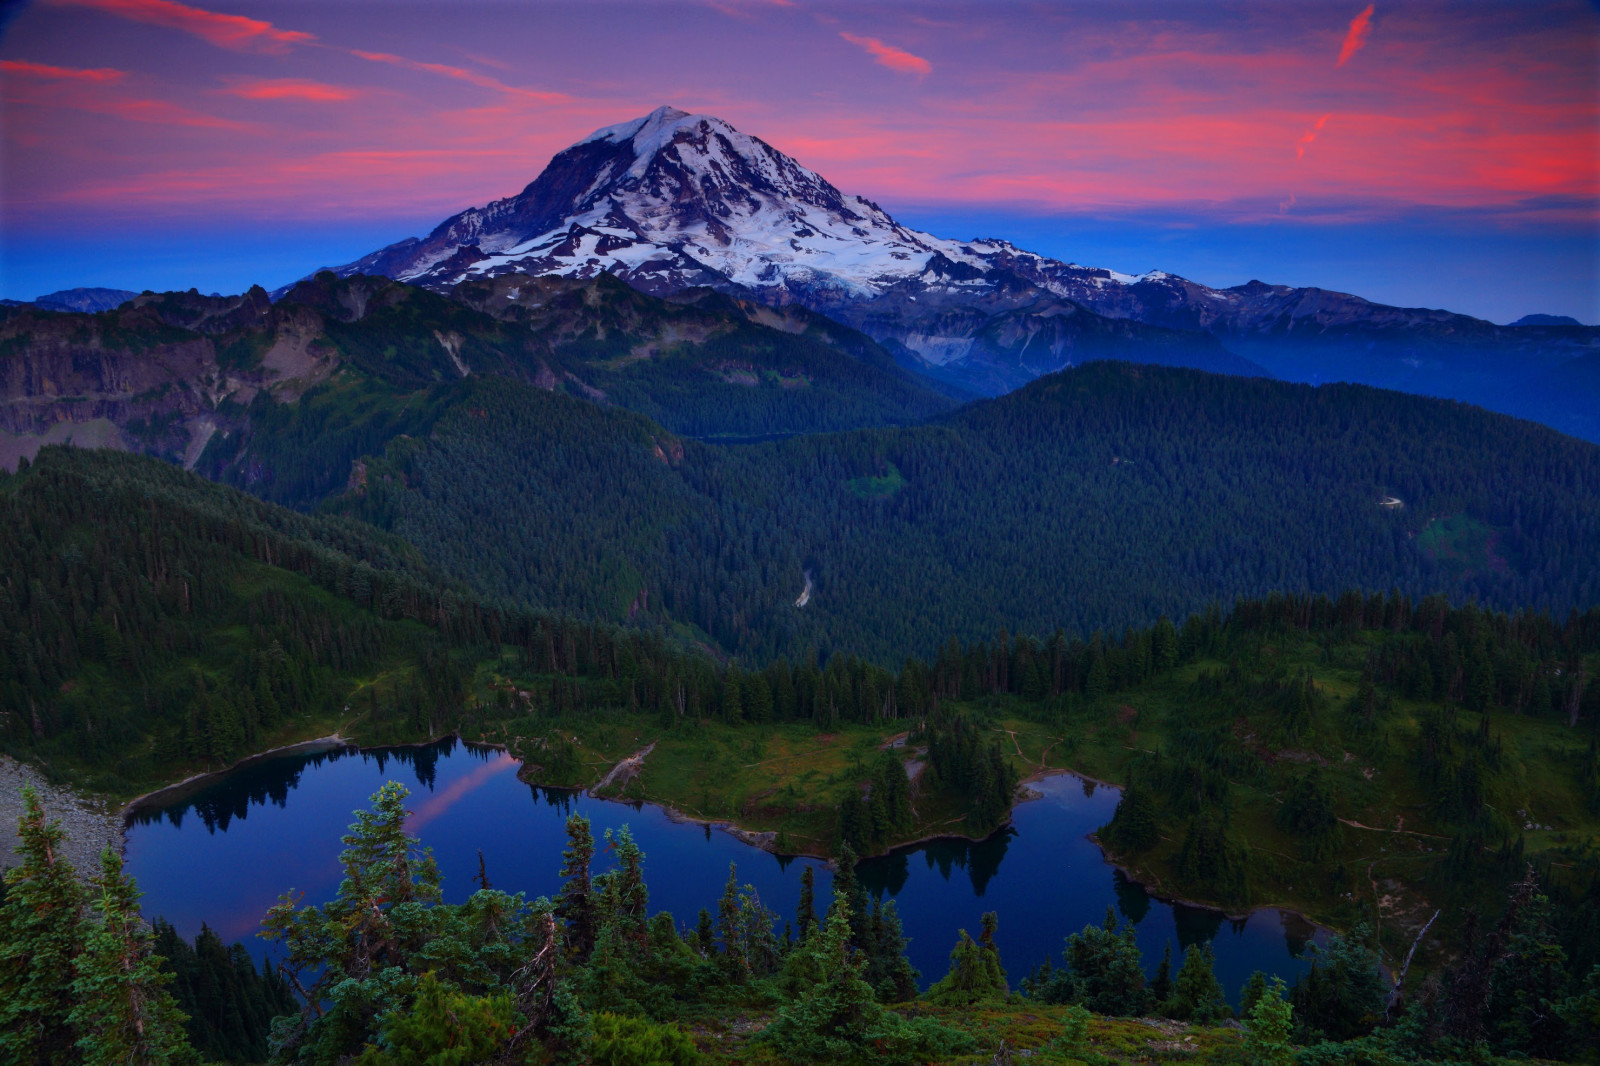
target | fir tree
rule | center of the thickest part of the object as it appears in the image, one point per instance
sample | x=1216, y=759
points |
x=806, y=913
x=1268, y=1024
x=41, y=933
x=1196, y=994
x=124, y=1011
x=1161, y=984
x=578, y=906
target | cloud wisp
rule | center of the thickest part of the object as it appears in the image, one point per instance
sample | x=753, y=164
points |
x=1308, y=136
x=237, y=32
x=471, y=77
x=1356, y=36
x=896, y=59
x=291, y=89
x=25, y=69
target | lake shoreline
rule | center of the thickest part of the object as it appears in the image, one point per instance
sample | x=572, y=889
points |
x=763, y=840
x=194, y=783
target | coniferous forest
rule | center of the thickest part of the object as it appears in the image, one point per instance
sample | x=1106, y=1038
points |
x=1335, y=645
x=498, y=568
x=168, y=625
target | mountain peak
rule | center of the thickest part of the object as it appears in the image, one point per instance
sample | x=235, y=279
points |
x=646, y=127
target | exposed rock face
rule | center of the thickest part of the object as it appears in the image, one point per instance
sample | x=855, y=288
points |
x=151, y=374
x=79, y=369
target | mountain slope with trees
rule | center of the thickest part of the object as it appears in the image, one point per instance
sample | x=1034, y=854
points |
x=1097, y=498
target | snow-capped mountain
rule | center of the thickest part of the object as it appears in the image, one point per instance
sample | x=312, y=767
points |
x=672, y=201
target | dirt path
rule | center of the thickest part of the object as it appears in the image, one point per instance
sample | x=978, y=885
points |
x=1377, y=829
x=625, y=770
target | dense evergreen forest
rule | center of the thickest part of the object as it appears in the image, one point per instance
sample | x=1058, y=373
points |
x=531, y=568
x=702, y=365
x=1100, y=497
x=489, y=429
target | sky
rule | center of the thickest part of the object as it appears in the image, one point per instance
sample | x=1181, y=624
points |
x=1439, y=154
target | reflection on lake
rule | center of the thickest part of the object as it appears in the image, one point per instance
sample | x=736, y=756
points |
x=223, y=855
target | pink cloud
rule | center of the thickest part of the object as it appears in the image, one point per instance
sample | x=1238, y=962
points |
x=1309, y=136
x=460, y=74
x=22, y=68
x=225, y=31
x=289, y=89
x=1356, y=36
x=896, y=59
x=96, y=91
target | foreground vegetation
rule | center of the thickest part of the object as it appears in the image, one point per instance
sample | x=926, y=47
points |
x=385, y=973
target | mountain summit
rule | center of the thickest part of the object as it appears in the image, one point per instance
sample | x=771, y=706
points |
x=671, y=201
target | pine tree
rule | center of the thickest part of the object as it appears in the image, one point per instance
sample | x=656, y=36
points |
x=888, y=971
x=1252, y=992
x=836, y=1018
x=806, y=914
x=624, y=897
x=733, y=957
x=577, y=905
x=443, y=1026
x=1528, y=985
x=1197, y=995
x=124, y=1011
x=975, y=971
x=704, y=935
x=1267, y=1026
x=41, y=933
x=1161, y=984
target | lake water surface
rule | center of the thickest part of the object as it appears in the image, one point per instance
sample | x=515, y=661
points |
x=223, y=854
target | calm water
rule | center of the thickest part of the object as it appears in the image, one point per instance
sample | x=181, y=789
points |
x=223, y=855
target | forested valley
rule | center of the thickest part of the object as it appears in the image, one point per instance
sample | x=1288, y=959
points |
x=167, y=624
x=1335, y=644
x=1100, y=497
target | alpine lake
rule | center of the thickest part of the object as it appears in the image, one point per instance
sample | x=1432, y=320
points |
x=223, y=851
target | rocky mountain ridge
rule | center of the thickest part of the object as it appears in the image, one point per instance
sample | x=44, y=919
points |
x=206, y=381
x=672, y=200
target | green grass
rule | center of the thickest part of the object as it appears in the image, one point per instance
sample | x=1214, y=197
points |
x=1460, y=545
x=878, y=488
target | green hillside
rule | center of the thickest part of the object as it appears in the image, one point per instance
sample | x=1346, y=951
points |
x=1097, y=498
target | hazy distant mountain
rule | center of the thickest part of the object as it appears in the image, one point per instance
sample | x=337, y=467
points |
x=79, y=300
x=672, y=200
x=1547, y=320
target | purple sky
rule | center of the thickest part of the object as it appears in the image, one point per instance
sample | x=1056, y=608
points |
x=1442, y=154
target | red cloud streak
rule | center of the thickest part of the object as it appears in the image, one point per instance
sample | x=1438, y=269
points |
x=23, y=68
x=290, y=89
x=1360, y=28
x=459, y=73
x=896, y=59
x=237, y=32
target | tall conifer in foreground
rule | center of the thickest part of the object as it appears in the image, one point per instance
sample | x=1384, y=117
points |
x=124, y=1011
x=41, y=933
